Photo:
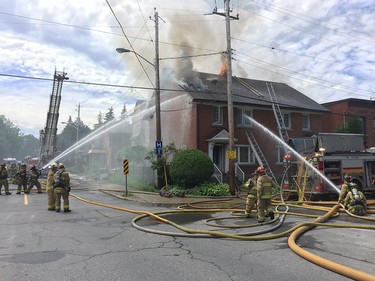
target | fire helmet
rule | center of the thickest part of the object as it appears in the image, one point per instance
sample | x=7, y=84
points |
x=348, y=177
x=260, y=170
x=53, y=165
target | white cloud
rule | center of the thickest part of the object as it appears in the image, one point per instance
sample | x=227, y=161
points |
x=322, y=48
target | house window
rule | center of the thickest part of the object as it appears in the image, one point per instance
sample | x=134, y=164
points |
x=305, y=122
x=242, y=117
x=217, y=116
x=287, y=120
x=244, y=155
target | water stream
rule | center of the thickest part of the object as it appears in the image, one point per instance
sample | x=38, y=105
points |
x=106, y=128
x=299, y=156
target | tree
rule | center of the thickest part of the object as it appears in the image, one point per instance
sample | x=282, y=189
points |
x=13, y=143
x=109, y=116
x=352, y=125
x=159, y=163
x=136, y=154
x=123, y=111
x=68, y=135
x=100, y=121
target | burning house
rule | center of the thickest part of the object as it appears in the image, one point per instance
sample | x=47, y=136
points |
x=194, y=115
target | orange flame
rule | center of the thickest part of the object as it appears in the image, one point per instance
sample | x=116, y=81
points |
x=223, y=68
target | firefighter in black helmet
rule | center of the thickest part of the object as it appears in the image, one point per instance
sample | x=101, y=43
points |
x=34, y=179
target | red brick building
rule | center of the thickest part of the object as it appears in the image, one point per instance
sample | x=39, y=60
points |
x=194, y=115
x=342, y=109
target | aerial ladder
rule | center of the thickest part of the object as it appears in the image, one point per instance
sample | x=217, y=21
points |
x=47, y=138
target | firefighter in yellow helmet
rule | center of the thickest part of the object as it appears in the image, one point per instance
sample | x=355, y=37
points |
x=355, y=201
x=264, y=194
x=345, y=188
x=62, y=189
x=4, y=179
x=252, y=193
x=49, y=186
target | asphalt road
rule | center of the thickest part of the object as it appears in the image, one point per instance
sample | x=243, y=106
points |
x=98, y=243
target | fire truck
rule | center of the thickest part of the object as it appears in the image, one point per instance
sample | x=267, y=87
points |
x=322, y=172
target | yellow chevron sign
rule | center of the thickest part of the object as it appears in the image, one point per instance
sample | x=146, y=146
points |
x=126, y=167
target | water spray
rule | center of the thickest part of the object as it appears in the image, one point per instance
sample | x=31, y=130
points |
x=299, y=156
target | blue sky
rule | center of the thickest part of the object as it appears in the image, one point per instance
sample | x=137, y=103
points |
x=324, y=49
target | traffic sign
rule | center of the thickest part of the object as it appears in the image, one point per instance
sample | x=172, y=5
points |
x=159, y=147
x=126, y=167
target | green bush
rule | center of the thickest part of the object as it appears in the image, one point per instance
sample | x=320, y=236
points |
x=205, y=189
x=191, y=167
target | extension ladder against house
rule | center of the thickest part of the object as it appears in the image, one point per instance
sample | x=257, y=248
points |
x=259, y=154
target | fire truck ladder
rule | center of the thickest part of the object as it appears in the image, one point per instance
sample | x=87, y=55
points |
x=48, y=148
x=277, y=112
x=259, y=154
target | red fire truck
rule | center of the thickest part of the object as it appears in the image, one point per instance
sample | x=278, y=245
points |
x=335, y=155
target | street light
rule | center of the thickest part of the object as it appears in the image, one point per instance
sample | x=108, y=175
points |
x=123, y=50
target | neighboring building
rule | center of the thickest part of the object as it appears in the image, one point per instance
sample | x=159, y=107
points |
x=106, y=142
x=194, y=115
x=342, y=109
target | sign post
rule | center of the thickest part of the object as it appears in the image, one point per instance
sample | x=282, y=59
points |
x=126, y=172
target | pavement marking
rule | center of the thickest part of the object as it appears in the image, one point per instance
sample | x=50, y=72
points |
x=26, y=200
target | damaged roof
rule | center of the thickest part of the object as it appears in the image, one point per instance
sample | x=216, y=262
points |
x=213, y=88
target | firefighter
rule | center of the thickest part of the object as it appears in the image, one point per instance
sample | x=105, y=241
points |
x=49, y=186
x=21, y=177
x=355, y=201
x=252, y=194
x=4, y=179
x=34, y=179
x=264, y=193
x=62, y=189
x=345, y=188
x=12, y=171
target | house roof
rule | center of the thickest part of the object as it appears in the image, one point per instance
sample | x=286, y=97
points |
x=222, y=137
x=353, y=102
x=213, y=88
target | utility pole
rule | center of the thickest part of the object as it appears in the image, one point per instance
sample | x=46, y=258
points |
x=158, y=143
x=77, y=132
x=157, y=79
x=231, y=153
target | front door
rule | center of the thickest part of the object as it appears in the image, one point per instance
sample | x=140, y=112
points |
x=218, y=156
